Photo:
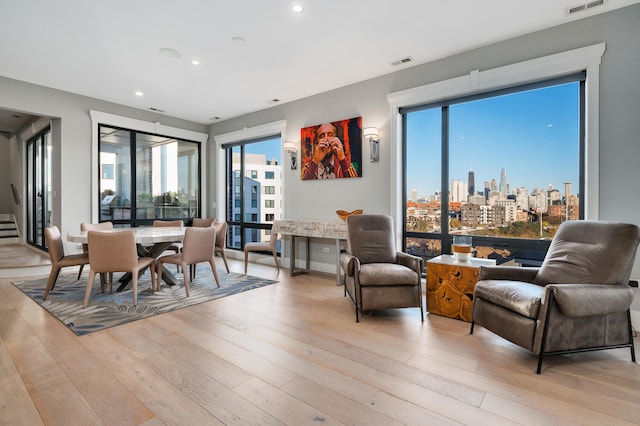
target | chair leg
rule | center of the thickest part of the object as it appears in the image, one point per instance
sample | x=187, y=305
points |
x=134, y=287
x=80, y=272
x=186, y=279
x=632, y=348
x=275, y=258
x=87, y=293
x=153, y=277
x=51, y=282
x=215, y=273
x=544, y=334
x=246, y=260
x=224, y=259
x=471, y=330
x=159, y=275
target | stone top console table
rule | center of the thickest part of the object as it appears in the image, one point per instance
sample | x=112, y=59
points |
x=311, y=228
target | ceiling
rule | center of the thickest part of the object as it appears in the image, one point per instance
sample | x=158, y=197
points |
x=253, y=54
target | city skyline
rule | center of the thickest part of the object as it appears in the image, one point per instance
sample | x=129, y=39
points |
x=533, y=135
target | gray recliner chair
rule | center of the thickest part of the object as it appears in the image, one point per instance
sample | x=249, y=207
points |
x=376, y=276
x=578, y=300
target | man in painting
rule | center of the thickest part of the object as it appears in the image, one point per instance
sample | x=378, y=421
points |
x=328, y=159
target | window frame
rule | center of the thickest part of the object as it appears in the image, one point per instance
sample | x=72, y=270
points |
x=535, y=248
x=240, y=138
x=133, y=148
x=586, y=59
x=103, y=118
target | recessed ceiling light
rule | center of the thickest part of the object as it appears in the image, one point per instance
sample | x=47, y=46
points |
x=195, y=62
x=139, y=93
x=238, y=40
x=297, y=8
x=169, y=53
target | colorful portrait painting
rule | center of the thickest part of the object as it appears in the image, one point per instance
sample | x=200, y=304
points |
x=332, y=150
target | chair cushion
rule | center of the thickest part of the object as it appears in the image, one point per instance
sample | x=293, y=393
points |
x=516, y=296
x=374, y=274
x=590, y=252
x=370, y=238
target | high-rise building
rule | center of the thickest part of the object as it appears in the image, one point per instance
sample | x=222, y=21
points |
x=414, y=195
x=458, y=191
x=471, y=183
x=504, y=186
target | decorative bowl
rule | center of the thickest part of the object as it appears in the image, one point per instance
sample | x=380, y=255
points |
x=342, y=214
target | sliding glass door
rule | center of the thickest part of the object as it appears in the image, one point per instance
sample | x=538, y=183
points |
x=38, y=179
x=144, y=177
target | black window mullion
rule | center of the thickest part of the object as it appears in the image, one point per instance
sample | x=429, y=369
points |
x=444, y=183
x=134, y=190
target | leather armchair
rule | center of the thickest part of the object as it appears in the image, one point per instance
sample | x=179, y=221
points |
x=375, y=275
x=578, y=300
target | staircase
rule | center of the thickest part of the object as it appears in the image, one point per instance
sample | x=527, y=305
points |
x=8, y=229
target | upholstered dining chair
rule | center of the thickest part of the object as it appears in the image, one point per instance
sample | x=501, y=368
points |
x=221, y=239
x=260, y=246
x=116, y=252
x=92, y=227
x=58, y=259
x=197, y=246
x=376, y=275
x=578, y=300
x=174, y=247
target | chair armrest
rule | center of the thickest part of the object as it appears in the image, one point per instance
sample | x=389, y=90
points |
x=509, y=273
x=580, y=300
x=410, y=261
x=349, y=264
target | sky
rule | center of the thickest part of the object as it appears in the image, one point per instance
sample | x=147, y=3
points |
x=534, y=135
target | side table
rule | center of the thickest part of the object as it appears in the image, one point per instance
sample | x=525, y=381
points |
x=450, y=285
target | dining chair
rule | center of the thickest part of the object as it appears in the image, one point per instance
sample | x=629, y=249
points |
x=260, y=246
x=116, y=252
x=197, y=246
x=176, y=247
x=92, y=227
x=221, y=238
x=221, y=241
x=200, y=222
x=58, y=259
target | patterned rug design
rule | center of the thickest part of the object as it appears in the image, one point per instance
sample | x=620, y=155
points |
x=107, y=310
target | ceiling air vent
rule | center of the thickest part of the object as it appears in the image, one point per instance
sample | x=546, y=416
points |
x=155, y=109
x=585, y=6
x=402, y=61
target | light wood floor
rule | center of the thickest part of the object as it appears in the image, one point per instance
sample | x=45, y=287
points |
x=291, y=353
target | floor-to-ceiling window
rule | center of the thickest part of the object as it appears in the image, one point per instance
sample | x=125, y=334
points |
x=253, y=189
x=39, y=190
x=144, y=177
x=506, y=167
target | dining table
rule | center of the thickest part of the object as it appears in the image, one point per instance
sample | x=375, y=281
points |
x=150, y=241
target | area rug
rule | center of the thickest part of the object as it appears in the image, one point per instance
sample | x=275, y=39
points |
x=107, y=310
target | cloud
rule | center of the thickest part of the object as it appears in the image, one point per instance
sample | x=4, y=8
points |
x=550, y=125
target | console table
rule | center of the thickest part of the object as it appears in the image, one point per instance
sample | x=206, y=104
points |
x=309, y=228
x=450, y=285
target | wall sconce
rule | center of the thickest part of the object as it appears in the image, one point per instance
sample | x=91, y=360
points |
x=290, y=147
x=371, y=133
